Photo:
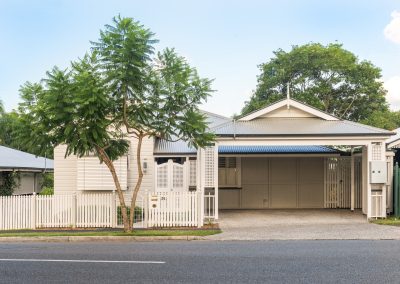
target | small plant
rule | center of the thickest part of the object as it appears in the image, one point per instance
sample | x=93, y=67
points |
x=138, y=213
x=47, y=191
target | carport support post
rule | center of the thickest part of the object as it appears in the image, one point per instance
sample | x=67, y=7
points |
x=396, y=190
x=352, y=179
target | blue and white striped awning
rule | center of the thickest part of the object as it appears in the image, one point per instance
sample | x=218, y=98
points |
x=272, y=149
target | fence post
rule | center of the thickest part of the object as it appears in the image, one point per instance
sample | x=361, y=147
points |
x=74, y=210
x=33, y=211
x=113, y=210
x=396, y=189
x=146, y=209
x=200, y=210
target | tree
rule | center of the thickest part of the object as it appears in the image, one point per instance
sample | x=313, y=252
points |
x=159, y=96
x=329, y=78
x=117, y=92
x=389, y=120
x=73, y=107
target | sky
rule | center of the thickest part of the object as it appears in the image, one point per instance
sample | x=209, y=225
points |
x=224, y=40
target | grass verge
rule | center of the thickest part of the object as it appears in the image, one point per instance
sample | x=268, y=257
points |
x=390, y=221
x=137, y=233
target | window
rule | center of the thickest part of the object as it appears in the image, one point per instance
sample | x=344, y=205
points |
x=228, y=171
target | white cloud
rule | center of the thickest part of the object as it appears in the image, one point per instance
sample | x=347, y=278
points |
x=392, y=85
x=392, y=30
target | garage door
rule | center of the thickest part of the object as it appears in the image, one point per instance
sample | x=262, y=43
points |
x=282, y=183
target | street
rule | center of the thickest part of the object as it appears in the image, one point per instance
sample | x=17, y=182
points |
x=201, y=262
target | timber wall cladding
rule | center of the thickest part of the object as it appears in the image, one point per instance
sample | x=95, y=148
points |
x=278, y=183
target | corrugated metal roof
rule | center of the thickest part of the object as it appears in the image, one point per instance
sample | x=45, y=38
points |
x=214, y=120
x=162, y=147
x=15, y=159
x=296, y=126
x=270, y=149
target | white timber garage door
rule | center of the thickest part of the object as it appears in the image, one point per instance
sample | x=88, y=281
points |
x=281, y=183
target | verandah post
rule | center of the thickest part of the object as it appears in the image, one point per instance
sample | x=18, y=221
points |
x=396, y=189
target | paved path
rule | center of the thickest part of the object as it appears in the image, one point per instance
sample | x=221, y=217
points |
x=201, y=262
x=300, y=225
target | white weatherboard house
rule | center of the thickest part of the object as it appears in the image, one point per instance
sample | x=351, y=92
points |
x=281, y=156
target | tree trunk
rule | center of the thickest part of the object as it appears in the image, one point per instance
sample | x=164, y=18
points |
x=139, y=181
x=110, y=165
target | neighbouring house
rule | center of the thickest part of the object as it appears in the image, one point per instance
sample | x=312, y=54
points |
x=285, y=155
x=29, y=168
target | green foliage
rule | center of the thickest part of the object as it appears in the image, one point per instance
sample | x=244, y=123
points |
x=47, y=191
x=47, y=180
x=327, y=77
x=160, y=95
x=137, y=217
x=10, y=181
x=389, y=120
x=73, y=107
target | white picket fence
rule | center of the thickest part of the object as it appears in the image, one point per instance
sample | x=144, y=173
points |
x=165, y=209
x=174, y=209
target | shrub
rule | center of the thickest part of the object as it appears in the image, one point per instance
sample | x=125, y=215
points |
x=47, y=191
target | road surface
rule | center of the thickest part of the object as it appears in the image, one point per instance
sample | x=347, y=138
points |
x=202, y=262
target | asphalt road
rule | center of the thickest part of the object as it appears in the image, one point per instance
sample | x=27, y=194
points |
x=202, y=262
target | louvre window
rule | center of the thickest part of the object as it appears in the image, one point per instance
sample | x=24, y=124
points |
x=228, y=172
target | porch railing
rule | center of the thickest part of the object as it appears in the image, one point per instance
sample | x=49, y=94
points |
x=209, y=206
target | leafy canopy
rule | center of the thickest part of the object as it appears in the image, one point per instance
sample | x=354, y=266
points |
x=73, y=107
x=159, y=94
x=327, y=77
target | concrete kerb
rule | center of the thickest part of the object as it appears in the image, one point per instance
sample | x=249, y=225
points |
x=99, y=238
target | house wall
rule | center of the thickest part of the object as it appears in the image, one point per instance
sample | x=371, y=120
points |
x=66, y=169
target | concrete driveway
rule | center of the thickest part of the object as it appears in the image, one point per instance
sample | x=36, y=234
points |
x=292, y=224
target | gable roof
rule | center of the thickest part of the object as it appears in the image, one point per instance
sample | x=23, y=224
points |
x=288, y=103
x=18, y=160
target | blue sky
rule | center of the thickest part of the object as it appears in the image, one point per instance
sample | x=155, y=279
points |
x=224, y=40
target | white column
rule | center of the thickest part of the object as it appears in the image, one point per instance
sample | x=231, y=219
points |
x=352, y=180
x=369, y=197
x=365, y=179
x=216, y=190
x=384, y=195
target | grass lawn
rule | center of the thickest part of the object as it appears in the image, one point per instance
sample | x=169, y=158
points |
x=391, y=221
x=138, y=233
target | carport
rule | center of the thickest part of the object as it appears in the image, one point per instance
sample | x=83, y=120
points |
x=282, y=177
x=286, y=156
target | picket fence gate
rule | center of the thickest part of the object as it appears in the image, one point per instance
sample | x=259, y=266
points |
x=174, y=209
x=161, y=209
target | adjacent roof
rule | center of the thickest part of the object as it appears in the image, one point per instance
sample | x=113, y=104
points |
x=276, y=149
x=15, y=159
x=297, y=127
x=394, y=141
x=214, y=120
